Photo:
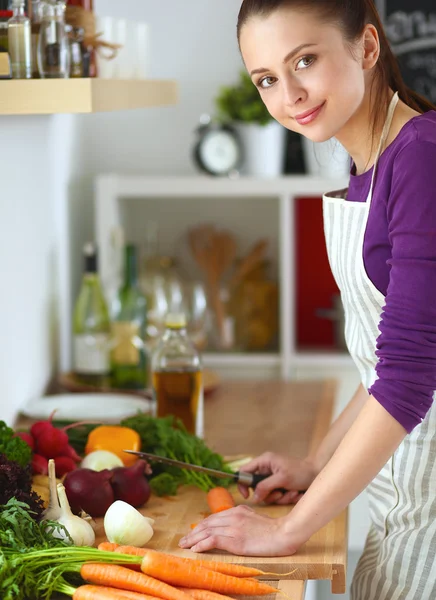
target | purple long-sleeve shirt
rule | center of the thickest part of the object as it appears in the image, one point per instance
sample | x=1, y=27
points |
x=399, y=254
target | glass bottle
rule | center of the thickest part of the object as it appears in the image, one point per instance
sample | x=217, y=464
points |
x=91, y=325
x=20, y=42
x=5, y=15
x=37, y=6
x=128, y=357
x=129, y=364
x=177, y=377
x=53, y=44
x=130, y=304
x=76, y=52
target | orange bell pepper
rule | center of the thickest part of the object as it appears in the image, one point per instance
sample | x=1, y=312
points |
x=115, y=438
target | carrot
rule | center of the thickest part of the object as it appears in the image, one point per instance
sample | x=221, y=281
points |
x=204, y=594
x=175, y=572
x=126, y=579
x=212, y=565
x=218, y=499
x=99, y=592
x=108, y=546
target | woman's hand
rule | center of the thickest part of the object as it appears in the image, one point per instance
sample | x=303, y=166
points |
x=241, y=531
x=290, y=474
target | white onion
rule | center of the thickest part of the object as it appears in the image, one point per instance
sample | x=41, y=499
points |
x=126, y=526
x=101, y=459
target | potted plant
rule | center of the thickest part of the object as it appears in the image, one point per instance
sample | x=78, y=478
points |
x=263, y=139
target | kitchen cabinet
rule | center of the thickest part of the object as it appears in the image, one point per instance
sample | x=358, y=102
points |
x=248, y=207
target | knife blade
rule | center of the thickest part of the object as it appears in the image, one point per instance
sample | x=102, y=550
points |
x=248, y=479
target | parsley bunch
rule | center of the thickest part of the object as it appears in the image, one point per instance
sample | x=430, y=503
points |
x=14, y=448
x=168, y=437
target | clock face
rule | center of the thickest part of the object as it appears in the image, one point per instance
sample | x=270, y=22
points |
x=219, y=151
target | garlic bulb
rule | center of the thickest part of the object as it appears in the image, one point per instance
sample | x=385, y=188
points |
x=80, y=530
x=53, y=511
x=126, y=526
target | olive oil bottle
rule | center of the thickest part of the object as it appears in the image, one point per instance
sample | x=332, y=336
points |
x=177, y=377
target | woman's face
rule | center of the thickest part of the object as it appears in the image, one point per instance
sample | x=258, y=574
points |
x=305, y=73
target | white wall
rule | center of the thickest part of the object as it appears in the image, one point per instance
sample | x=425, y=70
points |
x=35, y=162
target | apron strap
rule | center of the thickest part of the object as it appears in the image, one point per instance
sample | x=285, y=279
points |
x=392, y=106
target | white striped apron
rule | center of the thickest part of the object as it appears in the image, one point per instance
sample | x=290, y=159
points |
x=399, y=560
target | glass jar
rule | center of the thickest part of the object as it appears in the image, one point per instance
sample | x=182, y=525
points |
x=5, y=15
x=53, y=44
x=20, y=42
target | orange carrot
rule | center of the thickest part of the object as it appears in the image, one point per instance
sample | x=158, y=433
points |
x=218, y=499
x=204, y=594
x=99, y=592
x=175, y=572
x=212, y=565
x=108, y=546
x=126, y=579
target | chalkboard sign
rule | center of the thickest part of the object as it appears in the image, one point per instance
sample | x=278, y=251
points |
x=411, y=28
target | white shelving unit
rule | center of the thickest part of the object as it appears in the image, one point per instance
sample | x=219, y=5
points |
x=116, y=194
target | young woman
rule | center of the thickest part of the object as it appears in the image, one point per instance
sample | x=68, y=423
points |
x=324, y=69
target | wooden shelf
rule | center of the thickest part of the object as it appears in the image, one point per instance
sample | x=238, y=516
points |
x=50, y=96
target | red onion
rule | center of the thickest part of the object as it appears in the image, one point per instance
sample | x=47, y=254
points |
x=130, y=484
x=89, y=490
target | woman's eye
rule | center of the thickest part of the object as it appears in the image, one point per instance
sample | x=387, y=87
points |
x=305, y=62
x=266, y=82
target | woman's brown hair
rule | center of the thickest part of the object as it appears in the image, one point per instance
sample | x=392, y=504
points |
x=351, y=16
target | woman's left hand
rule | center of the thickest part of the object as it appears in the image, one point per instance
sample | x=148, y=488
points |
x=242, y=531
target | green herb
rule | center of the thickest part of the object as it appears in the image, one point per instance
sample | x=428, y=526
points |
x=168, y=437
x=242, y=102
x=14, y=448
x=20, y=532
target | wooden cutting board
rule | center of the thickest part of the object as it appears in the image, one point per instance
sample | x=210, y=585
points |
x=322, y=557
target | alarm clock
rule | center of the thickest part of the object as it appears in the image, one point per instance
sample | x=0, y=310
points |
x=218, y=150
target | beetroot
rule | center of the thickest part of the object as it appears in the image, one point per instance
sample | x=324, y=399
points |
x=130, y=484
x=39, y=465
x=89, y=490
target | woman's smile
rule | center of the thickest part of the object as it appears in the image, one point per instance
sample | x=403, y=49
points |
x=310, y=115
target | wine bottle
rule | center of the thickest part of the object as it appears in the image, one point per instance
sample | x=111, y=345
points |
x=91, y=325
x=128, y=356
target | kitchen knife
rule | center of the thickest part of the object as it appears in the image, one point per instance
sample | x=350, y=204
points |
x=248, y=479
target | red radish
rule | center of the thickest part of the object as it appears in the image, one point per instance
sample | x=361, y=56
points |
x=39, y=465
x=64, y=464
x=51, y=441
x=71, y=453
x=26, y=437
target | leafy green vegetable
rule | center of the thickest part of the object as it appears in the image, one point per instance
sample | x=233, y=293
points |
x=16, y=482
x=14, y=448
x=166, y=437
x=19, y=531
x=242, y=102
